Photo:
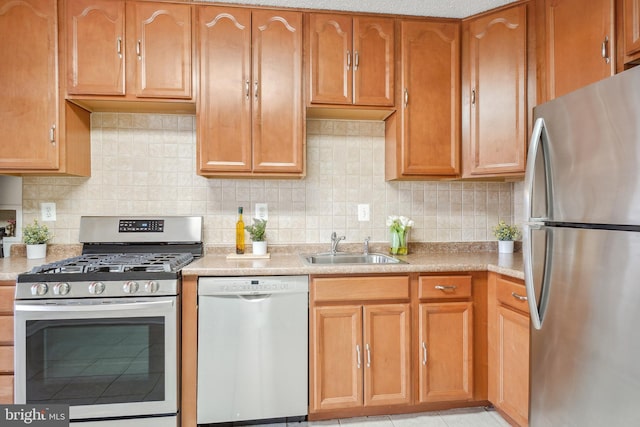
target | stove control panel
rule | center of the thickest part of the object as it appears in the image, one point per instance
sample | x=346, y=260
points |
x=96, y=289
x=141, y=225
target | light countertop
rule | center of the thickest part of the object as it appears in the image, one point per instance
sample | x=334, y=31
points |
x=286, y=263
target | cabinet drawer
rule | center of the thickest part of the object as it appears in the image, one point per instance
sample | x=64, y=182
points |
x=512, y=294
x=444, y=287
x=6, y=330
x=360, y=288
x=6, y=389
x=6, y=360
x=6, y=299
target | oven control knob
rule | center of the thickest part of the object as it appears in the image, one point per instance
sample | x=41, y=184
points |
x=39, y=289
x=96, y=288
x=151, y=287
x=62, y=288
x=130, y=287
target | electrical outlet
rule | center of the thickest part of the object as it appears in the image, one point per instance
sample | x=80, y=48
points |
x=261, y=211
x=363, y=212
x=48, y=211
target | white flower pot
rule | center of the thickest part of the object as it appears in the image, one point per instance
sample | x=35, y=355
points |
x=505, y=246
x=36, y=251
x=260, y=248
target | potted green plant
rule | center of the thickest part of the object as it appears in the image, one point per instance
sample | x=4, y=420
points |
x=36, y=236
x=257, y=232
x=505, y=234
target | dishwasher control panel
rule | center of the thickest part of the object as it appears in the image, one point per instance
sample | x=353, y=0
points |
x=252, y=285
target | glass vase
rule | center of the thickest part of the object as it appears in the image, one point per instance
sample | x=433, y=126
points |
x=399, y=242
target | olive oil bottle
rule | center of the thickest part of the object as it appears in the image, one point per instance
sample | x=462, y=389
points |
x=240, y=233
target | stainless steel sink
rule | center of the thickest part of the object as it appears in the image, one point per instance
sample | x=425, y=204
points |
x=349, y=258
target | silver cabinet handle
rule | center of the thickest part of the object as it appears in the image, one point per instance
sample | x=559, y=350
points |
x=424, y=353
x=368, y=355
x=52, y=134
x=445, y=288
x=406, y=97
x=255, y=90
x=356, y=60
x=119, y=47
x=139, y=49
x=358, y=356
x=518, y=297
x=605, y=49
x=473, y=97
x=348, y=60
x=247, y=88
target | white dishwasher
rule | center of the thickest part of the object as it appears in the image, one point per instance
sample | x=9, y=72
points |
x=252, y=348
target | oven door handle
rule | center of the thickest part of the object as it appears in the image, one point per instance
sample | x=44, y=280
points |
x=156, y=306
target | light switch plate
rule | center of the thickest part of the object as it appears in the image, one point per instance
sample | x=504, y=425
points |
x=363, y=212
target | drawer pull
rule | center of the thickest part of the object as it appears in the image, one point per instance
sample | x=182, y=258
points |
x=518, y=297
x=446, y=288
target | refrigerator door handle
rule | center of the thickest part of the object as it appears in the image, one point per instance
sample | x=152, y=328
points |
x=537, y=310
x=536, y=148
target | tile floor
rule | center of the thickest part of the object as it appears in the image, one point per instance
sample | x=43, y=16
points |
x=467, y=417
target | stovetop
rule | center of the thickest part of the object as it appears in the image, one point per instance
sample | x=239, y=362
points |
x=117, y=263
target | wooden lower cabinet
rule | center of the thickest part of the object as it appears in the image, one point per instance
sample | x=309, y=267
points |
x=7, y=290
x=446, y=346
x=359, y=350
x=509, y=348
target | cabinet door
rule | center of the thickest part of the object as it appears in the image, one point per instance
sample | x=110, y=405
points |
x=373, y=61
x=330, y=59
x=337, y=357
x=278, y=113
x=95, y=47
x=430, y=99
x=631, y=27
x=162, y=47
x=224, y=103
x=512, y=364
x=497, y=93
x=580, y=42
x=446, y=351
x=29, y=83
x=387, y=344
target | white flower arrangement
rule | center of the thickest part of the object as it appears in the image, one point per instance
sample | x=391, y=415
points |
x=399, y=227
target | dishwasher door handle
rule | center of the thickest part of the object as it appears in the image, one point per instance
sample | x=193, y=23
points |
x=256, y=297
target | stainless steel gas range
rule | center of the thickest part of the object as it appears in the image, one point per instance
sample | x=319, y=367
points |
x=100, y=331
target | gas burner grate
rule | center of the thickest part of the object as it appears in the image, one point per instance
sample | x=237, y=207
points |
x=118, y=263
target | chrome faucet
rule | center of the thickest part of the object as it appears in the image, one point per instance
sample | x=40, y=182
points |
x=366, y=245
x=334, y=242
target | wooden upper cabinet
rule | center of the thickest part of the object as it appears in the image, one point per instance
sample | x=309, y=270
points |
x=631, y=28
x=226, y=89
x=496, y=93
x=39, y=132
x=423, y=136
x=580, y=44
x=95, y=47
x=141, y=49
x=278, y=110
x=162, y=48
x=250, y=105
x=351, y=60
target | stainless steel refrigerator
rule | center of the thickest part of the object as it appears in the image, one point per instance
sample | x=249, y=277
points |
x=582, y=256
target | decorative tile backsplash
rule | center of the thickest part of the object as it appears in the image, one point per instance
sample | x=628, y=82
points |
x=144, y=164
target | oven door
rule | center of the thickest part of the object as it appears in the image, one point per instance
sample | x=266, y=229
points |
x=112, y=357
